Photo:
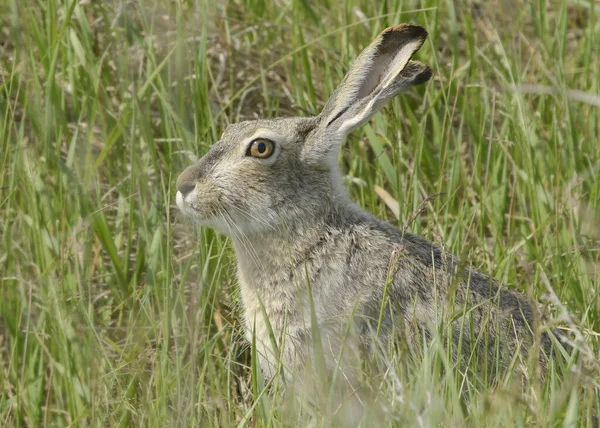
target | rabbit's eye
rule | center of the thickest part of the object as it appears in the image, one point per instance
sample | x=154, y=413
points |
x=261, y=148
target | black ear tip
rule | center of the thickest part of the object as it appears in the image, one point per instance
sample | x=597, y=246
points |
x=410, y=31
x=395, y=37
x=415, y=73
x=417, y=31
x=423, y=76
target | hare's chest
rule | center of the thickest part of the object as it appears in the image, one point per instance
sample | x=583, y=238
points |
x=275, y=314
x=281, y=310
x=283, y=302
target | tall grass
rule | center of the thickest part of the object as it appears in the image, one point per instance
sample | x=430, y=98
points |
x=115, y=312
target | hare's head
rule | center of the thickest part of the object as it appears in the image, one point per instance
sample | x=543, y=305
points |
x=263, y=174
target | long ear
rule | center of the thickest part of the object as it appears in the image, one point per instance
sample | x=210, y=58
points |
x=380, y=72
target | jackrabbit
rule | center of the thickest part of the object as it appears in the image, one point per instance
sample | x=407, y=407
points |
x=308, y=255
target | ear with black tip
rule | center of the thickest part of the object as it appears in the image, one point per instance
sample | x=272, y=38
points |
x=382, y=70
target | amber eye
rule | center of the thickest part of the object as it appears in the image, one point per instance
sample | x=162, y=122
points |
x=261, y=148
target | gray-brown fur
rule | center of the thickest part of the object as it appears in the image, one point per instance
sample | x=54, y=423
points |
x=294, y=229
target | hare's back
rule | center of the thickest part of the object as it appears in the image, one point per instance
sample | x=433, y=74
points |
x=429, y=287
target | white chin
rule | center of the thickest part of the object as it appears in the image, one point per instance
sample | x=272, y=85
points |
x=213, y=223
x=183, y=206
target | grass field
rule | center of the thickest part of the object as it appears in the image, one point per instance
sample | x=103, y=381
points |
x=115, y=311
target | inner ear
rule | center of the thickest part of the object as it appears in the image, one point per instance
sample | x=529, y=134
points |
x=381, y=71
x=375, y=74
x=391, y=56
x=376, y=69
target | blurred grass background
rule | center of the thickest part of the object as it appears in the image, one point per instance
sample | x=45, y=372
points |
x=115, y=312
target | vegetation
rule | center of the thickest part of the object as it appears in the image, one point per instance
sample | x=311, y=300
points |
x=116, y=311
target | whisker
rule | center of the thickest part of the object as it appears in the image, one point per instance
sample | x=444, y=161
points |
x=243, y=239
x=254, y=218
